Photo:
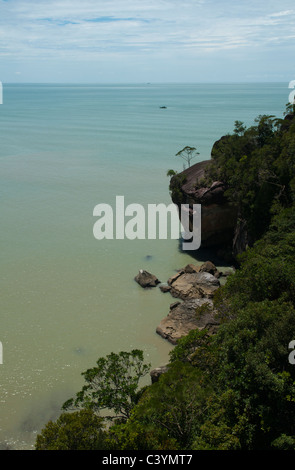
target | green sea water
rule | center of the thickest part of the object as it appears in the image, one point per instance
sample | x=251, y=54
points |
x=67, y=298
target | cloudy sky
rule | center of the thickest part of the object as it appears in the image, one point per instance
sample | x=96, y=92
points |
x=102, y=41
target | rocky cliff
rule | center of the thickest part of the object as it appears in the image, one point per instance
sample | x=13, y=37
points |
x=218, y=217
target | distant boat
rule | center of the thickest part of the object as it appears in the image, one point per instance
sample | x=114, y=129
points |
x=163, y=107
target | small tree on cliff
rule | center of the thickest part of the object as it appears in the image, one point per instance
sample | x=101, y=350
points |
x=188, y=153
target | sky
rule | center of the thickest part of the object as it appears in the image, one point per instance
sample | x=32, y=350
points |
x=138, y=41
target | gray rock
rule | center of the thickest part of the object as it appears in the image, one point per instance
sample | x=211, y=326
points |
x=164, y=288
x=146, y=279
x=156, y=373
x=195, y=285
x=183, y=318
x=208, y=267
x=191, y=268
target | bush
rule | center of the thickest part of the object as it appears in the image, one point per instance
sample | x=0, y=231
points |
x=80, y=430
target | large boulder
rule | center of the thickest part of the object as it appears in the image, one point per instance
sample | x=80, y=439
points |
x=209, y=267
x=183, y=318
x=193, y=285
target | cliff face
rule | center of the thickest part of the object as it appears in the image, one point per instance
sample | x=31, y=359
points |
x=219, y=218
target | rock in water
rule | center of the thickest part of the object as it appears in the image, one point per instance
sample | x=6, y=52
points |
x=164, y=288
x=208, y=267
x=146, y=279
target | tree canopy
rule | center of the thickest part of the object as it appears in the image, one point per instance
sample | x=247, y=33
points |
x=112, y=384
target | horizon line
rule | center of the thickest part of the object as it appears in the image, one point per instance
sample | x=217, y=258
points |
x=227, y=82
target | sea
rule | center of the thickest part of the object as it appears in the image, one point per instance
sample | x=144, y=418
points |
x=68, y=298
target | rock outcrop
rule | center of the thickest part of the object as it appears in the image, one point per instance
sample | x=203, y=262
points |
x=195, y=286
x=183, y=318
x=218, y=217
x=194, y=282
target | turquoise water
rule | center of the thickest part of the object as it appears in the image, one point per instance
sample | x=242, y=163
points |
x=67, y=298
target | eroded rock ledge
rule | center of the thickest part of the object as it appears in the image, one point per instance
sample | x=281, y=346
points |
x=183, y=318
x=194, y=286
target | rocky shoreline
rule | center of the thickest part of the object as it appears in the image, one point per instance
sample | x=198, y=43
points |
x=193, y=286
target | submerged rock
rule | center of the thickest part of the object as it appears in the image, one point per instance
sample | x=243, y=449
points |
x=146, y=279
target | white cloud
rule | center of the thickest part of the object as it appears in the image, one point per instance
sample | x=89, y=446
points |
x=283, y=13
x=117, y=23
x=71, y=30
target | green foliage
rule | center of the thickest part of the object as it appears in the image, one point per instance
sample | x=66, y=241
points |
x=268, y=269
x=81, y=430
x=217, y=432
x=198, y=349
x=171, y=173
x=239, y=128
x=186, y=346
x=136, y=435
x=257, y=165
x=284, y=443
x=290, y=109
x=112, y=384
x=175, y=185
x=251, y=345
x=176, y=403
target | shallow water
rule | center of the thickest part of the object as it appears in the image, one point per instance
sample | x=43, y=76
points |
x=67, y=298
